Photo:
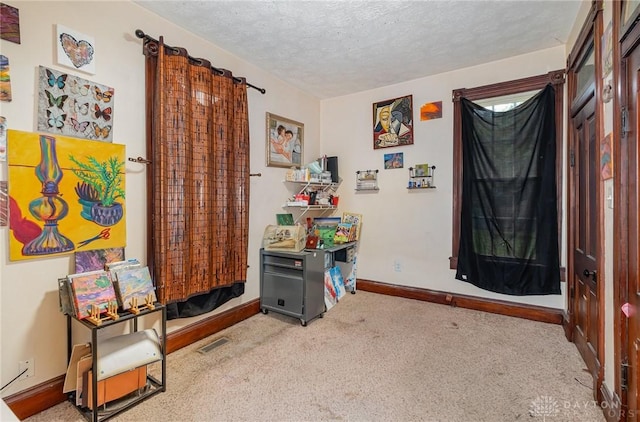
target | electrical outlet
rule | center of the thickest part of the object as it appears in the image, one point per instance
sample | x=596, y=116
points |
x=397, y=266
x=29, y=365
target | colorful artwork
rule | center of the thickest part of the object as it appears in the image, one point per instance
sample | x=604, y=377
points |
x=9, y=23
x=3, y=139
x=133, y=285
x=607, y=52
x=65, y=195
x=72, y=106
x=394, y=161
x=5, y=79
x=92, y=288
x=422, y=170
x=96, y=259
x=356, y=220
x=285, y=141
x=75, y=50
x=430, y=111
x=4, y=203
x=606, y=162
x=393, y=122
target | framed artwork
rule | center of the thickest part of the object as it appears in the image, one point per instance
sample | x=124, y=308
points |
x=9, y=23
x=394, y=161
x=5, y=79
x=72, y=106
x=285, y=142
x=75, y=50
x=393, y=122
x=606, y=162
x=430, y=111
x=67, y=195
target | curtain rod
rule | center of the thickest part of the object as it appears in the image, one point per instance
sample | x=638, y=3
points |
x=140, y=34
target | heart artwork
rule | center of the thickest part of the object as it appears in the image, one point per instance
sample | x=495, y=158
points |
x=79, y=52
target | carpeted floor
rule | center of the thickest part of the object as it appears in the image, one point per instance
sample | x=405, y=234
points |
x=374, y=358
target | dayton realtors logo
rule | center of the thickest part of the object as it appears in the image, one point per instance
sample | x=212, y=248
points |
x=544, y=406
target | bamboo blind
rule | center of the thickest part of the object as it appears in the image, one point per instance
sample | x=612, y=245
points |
x=200, y=186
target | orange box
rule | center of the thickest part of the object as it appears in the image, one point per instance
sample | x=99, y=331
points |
x=114, y=387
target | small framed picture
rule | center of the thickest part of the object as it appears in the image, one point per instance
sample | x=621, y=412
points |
x=393, y=122
x=285, y=142
x=394, y=161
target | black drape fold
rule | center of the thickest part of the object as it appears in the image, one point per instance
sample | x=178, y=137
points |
x=508, y=223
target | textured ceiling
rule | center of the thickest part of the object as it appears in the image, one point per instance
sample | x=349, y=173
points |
x=334, y=48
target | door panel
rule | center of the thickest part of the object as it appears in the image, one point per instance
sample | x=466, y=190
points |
x=629, y=202
x=585, y=174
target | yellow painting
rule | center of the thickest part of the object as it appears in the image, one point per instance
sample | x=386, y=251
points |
x=65, y=195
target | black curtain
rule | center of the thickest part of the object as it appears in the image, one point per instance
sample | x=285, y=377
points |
x=508, y=223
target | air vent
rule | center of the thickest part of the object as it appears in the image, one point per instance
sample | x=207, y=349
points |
x=213, y=345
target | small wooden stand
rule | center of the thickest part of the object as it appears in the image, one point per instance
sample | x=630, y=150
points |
x=111, y=314
x=148, y=304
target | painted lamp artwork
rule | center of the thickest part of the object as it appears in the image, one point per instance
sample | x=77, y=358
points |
x=65, y=195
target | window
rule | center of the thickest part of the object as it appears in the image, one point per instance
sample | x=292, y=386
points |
x=505, y=94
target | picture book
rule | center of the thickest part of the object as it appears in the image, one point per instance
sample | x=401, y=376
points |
x=133, y=283
x=96, y=259
x=343, y=233
x=356, y=221
x=285, y=219
x=91, y=288
x=330, y=296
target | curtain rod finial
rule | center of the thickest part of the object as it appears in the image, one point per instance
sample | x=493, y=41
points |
x=140, y=33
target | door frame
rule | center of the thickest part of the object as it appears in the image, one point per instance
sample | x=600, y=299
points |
x=626, y=37
x=591, y=29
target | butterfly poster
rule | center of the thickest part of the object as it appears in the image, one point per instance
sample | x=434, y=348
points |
x=72, y=106
x=75, y=50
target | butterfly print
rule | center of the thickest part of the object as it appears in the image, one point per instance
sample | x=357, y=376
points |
x=56, y=101
x=79, y=126
x=79, y=52
x=55, y=121
x=101, y=132
x=78, y=88
x=56, y=81
x=105, y=114
x=104, y=96
x=81, y=108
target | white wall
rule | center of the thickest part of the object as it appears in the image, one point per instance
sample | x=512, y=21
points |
x=414, y=227
x=31, y=324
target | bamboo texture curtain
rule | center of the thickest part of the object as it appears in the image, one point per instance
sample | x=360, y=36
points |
x=198, y=141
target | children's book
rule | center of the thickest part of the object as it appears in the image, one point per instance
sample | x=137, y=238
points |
x=330, y=296
x=91, y=288
x=356, y=221
x=133, y=283
x=343, y=233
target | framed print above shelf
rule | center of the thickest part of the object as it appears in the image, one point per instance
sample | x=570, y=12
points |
x=284, y=143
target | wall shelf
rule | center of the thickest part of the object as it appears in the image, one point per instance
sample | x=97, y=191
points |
x=421, y=177
x=366, y=180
